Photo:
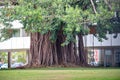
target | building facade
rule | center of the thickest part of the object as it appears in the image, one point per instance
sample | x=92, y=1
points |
x=19, y=42
x=105, y=53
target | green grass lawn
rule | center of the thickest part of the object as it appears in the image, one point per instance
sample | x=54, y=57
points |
x=61, y=74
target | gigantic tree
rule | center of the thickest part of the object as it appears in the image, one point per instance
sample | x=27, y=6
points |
x=57, y=27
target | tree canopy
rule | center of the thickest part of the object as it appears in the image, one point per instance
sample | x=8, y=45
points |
x=47, y=15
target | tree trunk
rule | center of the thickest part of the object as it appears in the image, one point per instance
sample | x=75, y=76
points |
x=66, y=54
x=45, y=53
x=82, y=54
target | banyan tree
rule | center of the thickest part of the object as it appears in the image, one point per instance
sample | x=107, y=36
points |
x=57, y=27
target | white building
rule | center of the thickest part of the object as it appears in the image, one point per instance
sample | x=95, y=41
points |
x=20, y=41
x=105, y=53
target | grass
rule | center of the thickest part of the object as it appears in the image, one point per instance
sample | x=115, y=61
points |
x=61, y=74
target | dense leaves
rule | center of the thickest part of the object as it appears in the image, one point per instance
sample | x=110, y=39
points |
x=48, y=15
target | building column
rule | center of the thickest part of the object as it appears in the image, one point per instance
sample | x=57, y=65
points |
x=21, y=32
x=9, y=59
x=28, y=59
x=104, y=59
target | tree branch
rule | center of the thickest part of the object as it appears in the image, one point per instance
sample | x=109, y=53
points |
x=109, y=6
x=93, y=6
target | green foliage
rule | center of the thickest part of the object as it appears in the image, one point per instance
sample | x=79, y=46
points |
x=3, y=57
x=103, y=25
x=70, y=16
x=6, y=33
x=19, y=56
